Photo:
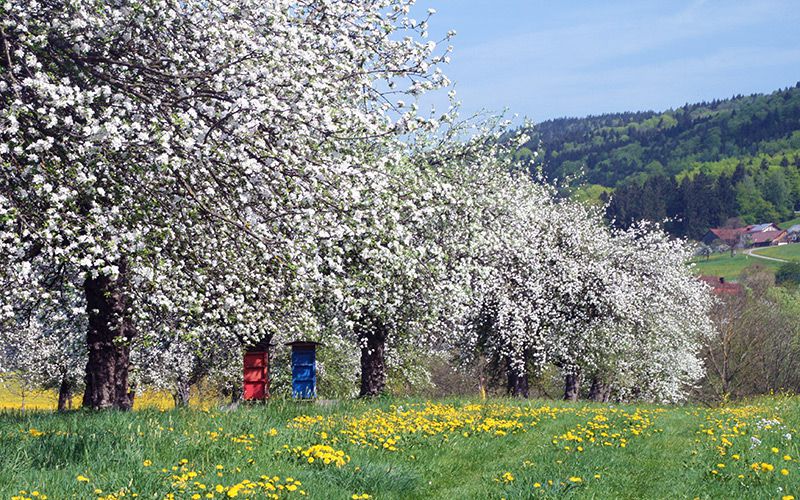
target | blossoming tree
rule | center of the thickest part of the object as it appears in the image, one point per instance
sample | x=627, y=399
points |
x=181, y=148
x=558, y=286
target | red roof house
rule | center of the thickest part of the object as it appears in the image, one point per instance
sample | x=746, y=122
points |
x=764, y=238
x=753, y=235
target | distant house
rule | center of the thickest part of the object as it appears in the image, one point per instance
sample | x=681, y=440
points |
x=761, y=228
x=793, y=234
x=758, y=235
x=729, y=236
x=765, y=238
x=721, y=287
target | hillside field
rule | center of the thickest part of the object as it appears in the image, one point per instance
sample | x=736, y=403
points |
x=785, y=252
x=722, y=264
x=499, y=448
x=789, y=223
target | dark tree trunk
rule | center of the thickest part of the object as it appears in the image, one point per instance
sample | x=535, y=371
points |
x=572, y=386
x=517, y=382
x=600, y=391
x=108, y=340
x=64, y=395
x=372, y=339
x=181, y=396
x=236, y=395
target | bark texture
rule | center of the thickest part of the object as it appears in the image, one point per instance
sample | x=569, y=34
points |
x=64, y=395
x=600, y=391
x=182, y=390
x=373, y=359
x=108, y=340
x=572, y=386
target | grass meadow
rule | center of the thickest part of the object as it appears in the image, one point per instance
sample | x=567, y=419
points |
x=786, y=252
x=395, y=449
x=722, y=264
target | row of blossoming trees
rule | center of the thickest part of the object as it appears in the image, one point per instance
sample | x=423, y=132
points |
x=181, y=179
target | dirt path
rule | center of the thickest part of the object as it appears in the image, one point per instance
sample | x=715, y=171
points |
x=758, y=256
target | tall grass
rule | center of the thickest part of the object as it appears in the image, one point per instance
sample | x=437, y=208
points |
x=451, y=449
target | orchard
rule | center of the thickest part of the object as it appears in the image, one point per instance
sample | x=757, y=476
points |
x=183, y=179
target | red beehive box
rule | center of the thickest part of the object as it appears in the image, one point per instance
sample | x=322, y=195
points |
x=256, y=375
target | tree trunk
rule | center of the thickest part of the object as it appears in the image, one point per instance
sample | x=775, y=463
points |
x=372, y=339
x=600, y=391
x=572, y=386
x=64, y=395
x=181, y=395
x=517, y=382
x=236, y=395
x=108, y=339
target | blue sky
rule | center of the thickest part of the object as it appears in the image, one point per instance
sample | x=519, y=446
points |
x=545, y=59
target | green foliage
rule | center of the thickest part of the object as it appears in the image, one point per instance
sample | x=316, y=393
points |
x=699, y=164
x=592, y=194
x=788, y=274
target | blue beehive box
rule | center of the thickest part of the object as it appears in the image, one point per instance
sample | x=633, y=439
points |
x=304, y=369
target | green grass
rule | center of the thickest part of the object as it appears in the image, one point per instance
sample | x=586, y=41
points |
x=722, y=264
x=789, y=223
x=454, y=449
x=790, y=252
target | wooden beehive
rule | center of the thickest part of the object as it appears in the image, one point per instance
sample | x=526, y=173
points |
x=256, y=371
x=304, y=369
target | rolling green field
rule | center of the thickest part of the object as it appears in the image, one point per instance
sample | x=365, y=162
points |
x=786, y=252
x=407, y=449
x=789, y=223
x=722, y=264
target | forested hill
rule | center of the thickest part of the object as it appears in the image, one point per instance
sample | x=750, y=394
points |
x=701, y=162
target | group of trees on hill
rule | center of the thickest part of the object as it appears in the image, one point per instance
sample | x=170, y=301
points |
x=181, y=180
x=747, y=147
x=764, y=189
